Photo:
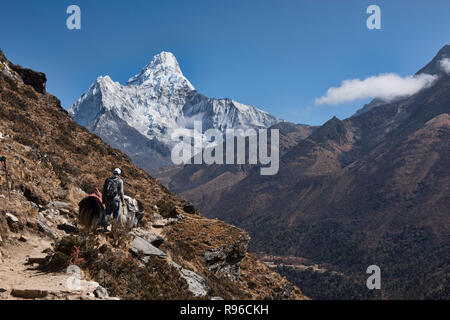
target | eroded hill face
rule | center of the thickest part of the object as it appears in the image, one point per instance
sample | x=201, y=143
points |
x=54, y=163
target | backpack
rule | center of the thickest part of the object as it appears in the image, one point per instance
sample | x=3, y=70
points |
x=112, y=187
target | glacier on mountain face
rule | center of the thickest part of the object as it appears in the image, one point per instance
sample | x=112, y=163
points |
x=139, y=117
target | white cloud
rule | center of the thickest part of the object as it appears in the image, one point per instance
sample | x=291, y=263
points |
x=384, y=86
x=445, y=64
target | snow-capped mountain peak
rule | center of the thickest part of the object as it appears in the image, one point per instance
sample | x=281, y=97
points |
x=162, y=70
x=140, y=117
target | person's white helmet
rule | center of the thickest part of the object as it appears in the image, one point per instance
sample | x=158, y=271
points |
x=117, y=171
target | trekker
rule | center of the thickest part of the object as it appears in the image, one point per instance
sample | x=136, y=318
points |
x=113, y=195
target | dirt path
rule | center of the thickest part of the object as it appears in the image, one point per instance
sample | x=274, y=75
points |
x=14, y=274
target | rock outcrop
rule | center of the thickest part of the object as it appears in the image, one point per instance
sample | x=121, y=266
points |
x=37, y=80
x=140, y=246
x=226, y=261
x=197, y=285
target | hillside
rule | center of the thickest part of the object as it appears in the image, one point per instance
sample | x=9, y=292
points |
x=371, y=189
x=54, y=163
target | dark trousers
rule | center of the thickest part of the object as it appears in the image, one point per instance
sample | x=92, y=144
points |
x=112, y=207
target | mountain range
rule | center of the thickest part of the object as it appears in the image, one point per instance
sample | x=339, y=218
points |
x=372, y=189
x=138, y=118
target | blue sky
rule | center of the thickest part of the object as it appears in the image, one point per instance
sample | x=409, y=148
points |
x=277, y=55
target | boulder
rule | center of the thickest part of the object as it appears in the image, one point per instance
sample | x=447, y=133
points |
x=13, y=222
x=154, y=239
x=68, y=228
x=156, y=216
x=159, y=224
x=43, y=227
x=61, y=206
x=162, y=223
x=49, y=213
x=29, y=294
x=88, y=286
x=189, y=208
x=101, y=293
x=197, y=285
x=140, y=246
x=11, y=218
x=34, y=205
x=32, y=261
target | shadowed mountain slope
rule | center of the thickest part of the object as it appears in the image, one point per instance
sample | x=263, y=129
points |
x=371, y=189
